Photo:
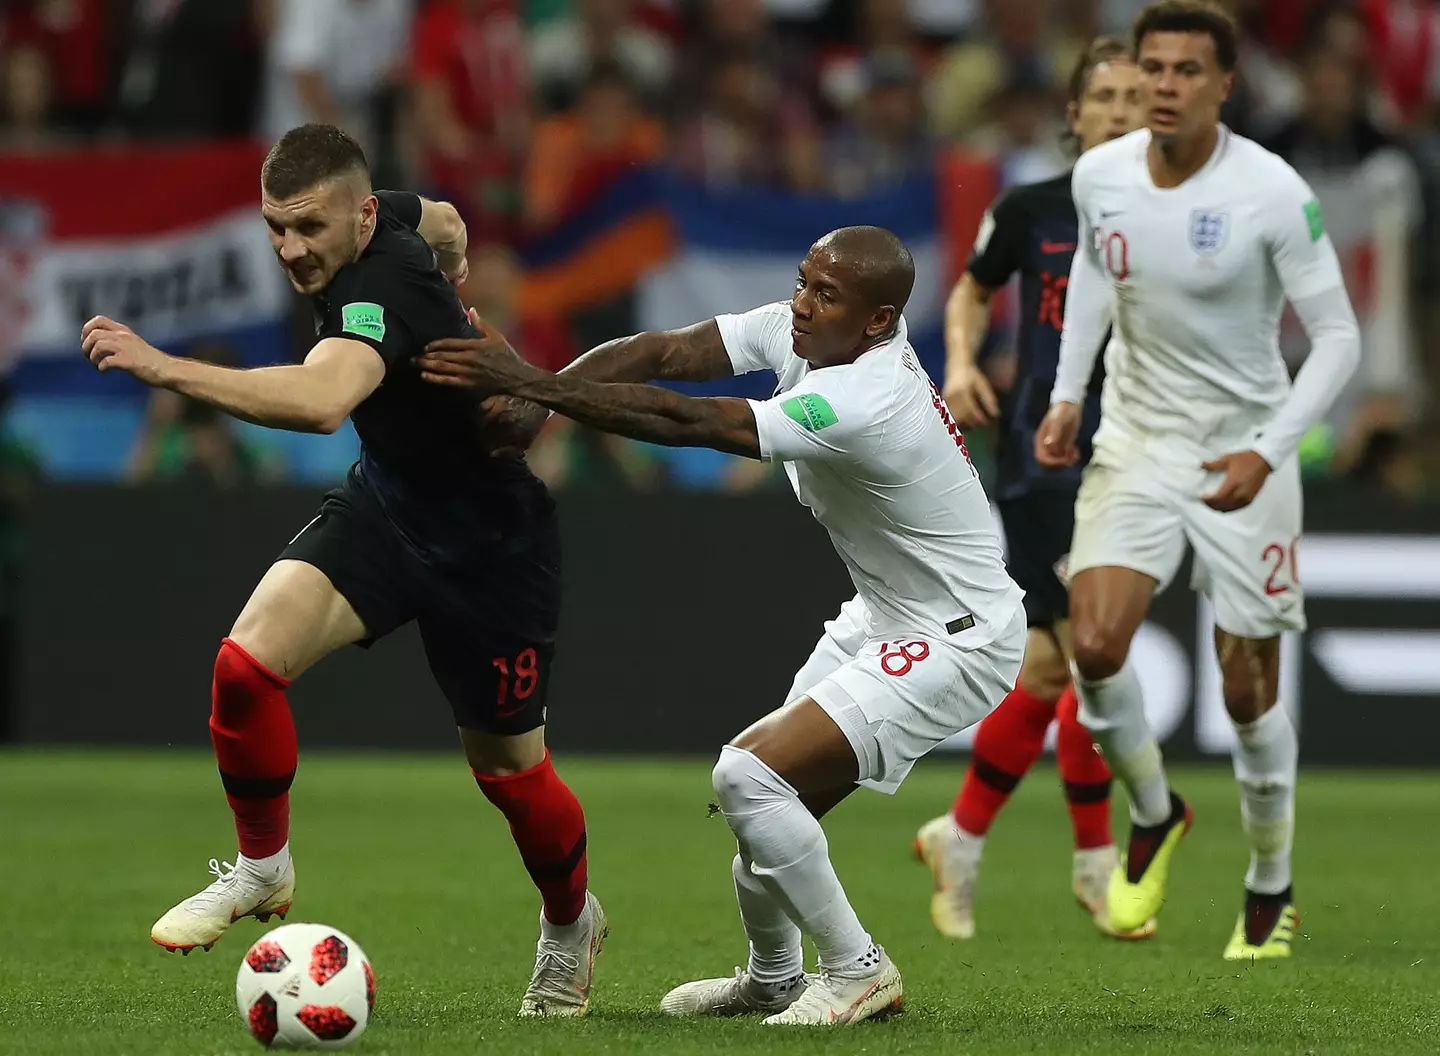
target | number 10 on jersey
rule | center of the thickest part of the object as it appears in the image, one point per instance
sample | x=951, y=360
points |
x=1115, y=251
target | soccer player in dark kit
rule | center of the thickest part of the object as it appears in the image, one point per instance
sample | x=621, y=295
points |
x=437, y=522
x=1032, y=230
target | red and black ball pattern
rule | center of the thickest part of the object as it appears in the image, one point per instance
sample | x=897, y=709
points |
x=264, y=1023
x=327, y=958
x=369, y=987
x=326, y=1022
x=266, y=956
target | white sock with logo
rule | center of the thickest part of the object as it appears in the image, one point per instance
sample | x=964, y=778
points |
x=1113, y=710
x=789, y=855
x=1266, y=758
x=776, y=955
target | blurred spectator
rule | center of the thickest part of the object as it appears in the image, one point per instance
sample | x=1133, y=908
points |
x=577, y=154
x=1018, y=45
x=748, y=133
x=883, y=31
x=1369, y=191
x=191, y=67
x=1024, y=132
x=1403, y=38
x=74, y=37
x=888, y=140
x=26, y=88
x=332, y=61
x=185, y=439
x=728, y=27
x=472, y=110
x=563, y=52
x=493, y=290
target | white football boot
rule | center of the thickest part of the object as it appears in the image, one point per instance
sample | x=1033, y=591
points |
x=952, y=906
x=1090, y=880
x=238, y=891
x=835, y=999
x=560, y=983
x=736, y=996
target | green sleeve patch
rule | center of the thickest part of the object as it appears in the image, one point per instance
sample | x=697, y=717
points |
x=1315, y=218
x=365, y=319
x=811, y=411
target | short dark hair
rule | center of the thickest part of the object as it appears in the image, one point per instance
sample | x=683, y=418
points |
x=1191, y=16
x=309, y=155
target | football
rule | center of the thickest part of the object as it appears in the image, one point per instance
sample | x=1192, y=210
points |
x=305, y=986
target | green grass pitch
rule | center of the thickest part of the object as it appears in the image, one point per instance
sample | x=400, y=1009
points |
x=404, y=854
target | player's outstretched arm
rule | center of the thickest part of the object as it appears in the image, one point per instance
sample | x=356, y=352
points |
x=694, y=353
x=641, y=412
x=312, y=397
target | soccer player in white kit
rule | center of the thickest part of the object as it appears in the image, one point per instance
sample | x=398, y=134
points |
x=1194, y=238
x=931, y=642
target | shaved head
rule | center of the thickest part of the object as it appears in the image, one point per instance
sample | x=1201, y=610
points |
x=883, y=268
x=852, y=287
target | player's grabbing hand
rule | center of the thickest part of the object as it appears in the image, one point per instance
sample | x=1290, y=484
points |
x=1055, y=440
x=1245, y=474
x=114, y=346
x=487, y=364
x=970, y=397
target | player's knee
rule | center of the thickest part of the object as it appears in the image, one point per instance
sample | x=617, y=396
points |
x=238, y=680
x=739, y=778
x=1099, y=651
x=1045, y=680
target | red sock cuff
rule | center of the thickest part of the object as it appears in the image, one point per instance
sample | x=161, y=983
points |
x=282, y=683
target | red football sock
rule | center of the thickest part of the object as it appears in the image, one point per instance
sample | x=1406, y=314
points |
x=1007, y=744
x=254, y=737
x=549, y=828
x=1086, y=777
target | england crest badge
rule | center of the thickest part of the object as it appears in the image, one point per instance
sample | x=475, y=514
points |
x=1208, y=231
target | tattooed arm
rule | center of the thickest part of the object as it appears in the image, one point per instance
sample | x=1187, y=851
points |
x=694, y=353
x=642, y=412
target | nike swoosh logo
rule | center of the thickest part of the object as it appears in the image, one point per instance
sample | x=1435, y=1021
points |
x=1106, y=215
x=1056, y=247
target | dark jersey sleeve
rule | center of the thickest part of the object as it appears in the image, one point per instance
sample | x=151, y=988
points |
x=404, y=205
x=999, y=245
x=362, y=307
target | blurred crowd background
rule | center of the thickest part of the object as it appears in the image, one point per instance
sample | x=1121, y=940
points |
x=525, y=112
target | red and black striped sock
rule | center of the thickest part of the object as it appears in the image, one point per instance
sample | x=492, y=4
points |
x=254, y=737
x=1007, y=744
x=1086, y=777
x=549, y=829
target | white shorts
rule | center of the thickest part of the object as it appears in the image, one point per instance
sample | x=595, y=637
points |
x=1139, y=511
x=897, y=697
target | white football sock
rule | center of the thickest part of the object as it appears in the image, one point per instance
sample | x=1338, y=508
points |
x=1267, y=755
x=789, y=854
x=1113, y=710
x=572, y=934
x=775, y=951
x=269, y=869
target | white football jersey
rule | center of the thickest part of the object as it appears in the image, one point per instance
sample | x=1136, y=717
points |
x=870, y=447
x=1199, y=275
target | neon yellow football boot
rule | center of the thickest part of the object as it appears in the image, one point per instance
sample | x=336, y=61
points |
x=1265, y=929
x=1137, y=887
